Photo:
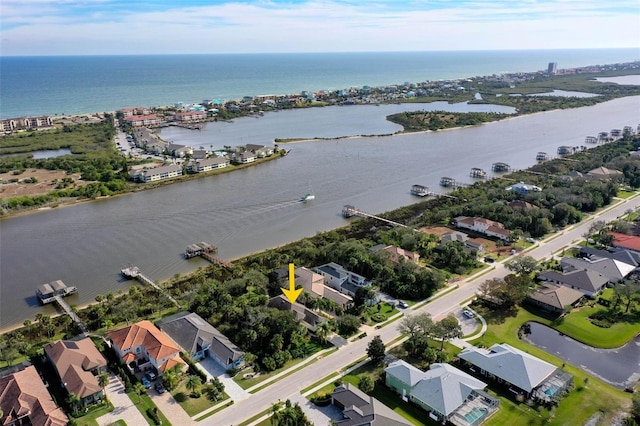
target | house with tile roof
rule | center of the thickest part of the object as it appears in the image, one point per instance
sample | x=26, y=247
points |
x=200, y=339
x=629, y=242
x=142, y=347
x=483, y=226
x=447, y=393
x=396, y=253
x=25, y=400
x=360, y=409
x=588, y=282
x=555, y=298
x=522, y=372
x=604, y=173
x=77, y=364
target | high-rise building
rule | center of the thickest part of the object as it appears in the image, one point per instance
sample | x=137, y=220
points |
x=551, y=69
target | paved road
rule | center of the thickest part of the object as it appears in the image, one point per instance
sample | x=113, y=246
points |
x=290, y=386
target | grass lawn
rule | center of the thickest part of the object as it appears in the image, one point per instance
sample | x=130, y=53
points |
x=191, y=405
x=624, y=194
x=379, y=312
x=145, y=404
x=89, y=419
x=582, y=403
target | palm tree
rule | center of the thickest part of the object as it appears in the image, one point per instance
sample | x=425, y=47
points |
x=103, y=380
x=139, y=389
x=73, y=400
x=193, y=383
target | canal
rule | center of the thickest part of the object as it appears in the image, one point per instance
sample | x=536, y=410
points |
x=253, y=209
x=619, y=367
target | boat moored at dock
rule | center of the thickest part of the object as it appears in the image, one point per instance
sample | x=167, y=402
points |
x=47, y=292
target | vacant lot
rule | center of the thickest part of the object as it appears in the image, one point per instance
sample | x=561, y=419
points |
x=12, y=185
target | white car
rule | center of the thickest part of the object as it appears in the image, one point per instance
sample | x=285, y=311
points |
x=467, y=313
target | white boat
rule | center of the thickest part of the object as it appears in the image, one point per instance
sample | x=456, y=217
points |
x=308, y=197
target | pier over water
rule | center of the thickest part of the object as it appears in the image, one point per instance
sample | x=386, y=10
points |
x=133, y=272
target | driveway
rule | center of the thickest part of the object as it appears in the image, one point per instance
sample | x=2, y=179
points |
x=319, y=416
x=125, y=409
x=213, y=369
x=170, y=408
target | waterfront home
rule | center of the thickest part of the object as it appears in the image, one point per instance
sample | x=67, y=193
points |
x=555, y=298
x=604, y=173
x=301, y=313
x=156, y=174
x=25, y=400
x=339, y=278
x=261, y=151
x=395, y=254
x=128, y=112
x=522, y=373
x=77, y=363
x=142, y=347
x=179, y=151
x=199, y=154
x=447, y=393
x=243, y=157
x=201, y=166
x=24, y=123
x=156, y=147
x=200, y=339
x=590, y=283
x=313, y=283
x=360, y=409
x=523, y=188
x=483, y=226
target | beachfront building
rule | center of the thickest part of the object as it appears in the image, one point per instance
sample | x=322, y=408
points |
x=207, y=165
x=200, y=339
x=142, y=120
x=190, y=116
x=9, y=125
x=156, y=174
x=77, y=364
x=142, y=347
x=25, y=400
x=128, y=112
x=483, y=226
x=447, y=393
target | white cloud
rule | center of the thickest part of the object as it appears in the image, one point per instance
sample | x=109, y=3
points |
x=61, y=28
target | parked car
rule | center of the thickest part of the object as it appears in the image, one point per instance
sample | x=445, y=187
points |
x=467, y=313
x=145, y=382
x=530, y=240
x=151, y=375
x=402, y=304
x=158, y=387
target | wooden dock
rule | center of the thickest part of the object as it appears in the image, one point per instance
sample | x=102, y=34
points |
x=477, y=173
x=133, y=272
x=350, y=211
x=207, y=252
x=500, y=167
x=420, y=190
x=67, y=309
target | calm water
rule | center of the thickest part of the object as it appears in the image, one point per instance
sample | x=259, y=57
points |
x=87, y=84
x=256, y=208
x=619, y=367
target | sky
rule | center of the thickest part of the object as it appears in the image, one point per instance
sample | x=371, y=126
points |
x=107, y=27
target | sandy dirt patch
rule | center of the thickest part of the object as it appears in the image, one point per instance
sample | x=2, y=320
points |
x=12, y=185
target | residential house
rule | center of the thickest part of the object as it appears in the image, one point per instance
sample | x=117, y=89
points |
x=521, y=205
x=200, y=339
x=588, y=282
x=313, y=283
x=629, y=242
x=447, y=393
x=201, y=166
x=523, y=373
x=604, y=173
x=156, y=147
x=623, y=255
x=261, y=151
x=360, y=409
x=523, y=188
x=344, y=281
x=555, y=298
x=483, y=226
x=396, y=253
x=613, y=269
x=77, y=364
x=25, y=400
x=470, y=244
x=199, y=154
x=301, y=313
x=190, y=116
x=141, y=347
x=157, y=173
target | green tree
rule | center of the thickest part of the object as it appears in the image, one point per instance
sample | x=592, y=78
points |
x=365, y=384
x=193, y=383
x=74, y=401
x=376, y=350
x=522, y=265
x=348, y=325
x=103, y=380
x=446, y=329
x=139, y=389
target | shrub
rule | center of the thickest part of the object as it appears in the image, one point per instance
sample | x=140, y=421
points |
x=153, y=415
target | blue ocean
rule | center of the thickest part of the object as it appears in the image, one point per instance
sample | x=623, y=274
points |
x=57, y=85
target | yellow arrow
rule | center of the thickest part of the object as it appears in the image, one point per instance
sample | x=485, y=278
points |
x=292, y=294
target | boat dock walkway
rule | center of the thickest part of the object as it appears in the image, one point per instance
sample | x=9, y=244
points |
x=133, y=272
x=207, y=252
x=211, y=258
x=350, y=211
x=67, y=309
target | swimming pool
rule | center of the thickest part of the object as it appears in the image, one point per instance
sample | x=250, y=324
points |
x=475, y=414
